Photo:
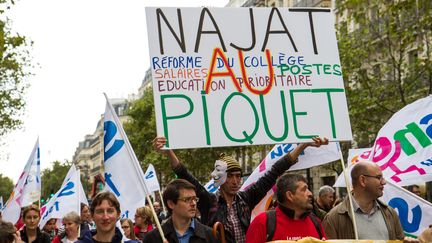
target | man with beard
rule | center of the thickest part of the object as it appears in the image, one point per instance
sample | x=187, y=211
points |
x=375, y=220
x=292, y=219
x=181, y=200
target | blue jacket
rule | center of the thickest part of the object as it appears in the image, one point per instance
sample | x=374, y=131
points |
x=88, y=237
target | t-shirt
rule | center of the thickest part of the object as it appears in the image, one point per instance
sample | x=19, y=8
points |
x=287, y=228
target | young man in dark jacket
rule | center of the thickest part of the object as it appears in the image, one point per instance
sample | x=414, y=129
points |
x=181, y=200
x=105, y=210
x=230, y=206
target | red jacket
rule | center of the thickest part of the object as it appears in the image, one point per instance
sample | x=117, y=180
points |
x=287, y=228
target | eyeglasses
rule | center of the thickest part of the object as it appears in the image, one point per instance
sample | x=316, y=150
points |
x=378, y=177
x=189, y=199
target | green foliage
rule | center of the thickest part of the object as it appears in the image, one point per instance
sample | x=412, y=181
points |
x=6, y=187
x=53, y=178
x=141, y=130
x=385, y=51
x=14, y=64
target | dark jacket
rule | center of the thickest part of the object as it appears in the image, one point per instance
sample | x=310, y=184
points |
x=214, y=208
x=41, y=237
x=202, y=234
x=338, y=222
x=88, y=237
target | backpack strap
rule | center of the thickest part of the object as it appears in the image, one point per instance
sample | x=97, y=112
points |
x=314, y=219
x=270, y=224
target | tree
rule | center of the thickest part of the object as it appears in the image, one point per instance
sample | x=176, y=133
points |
x=386, y=59
x=14, y=64
x=52, y=179
x=6, y=187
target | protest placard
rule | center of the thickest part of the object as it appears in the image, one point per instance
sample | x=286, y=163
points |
x=240, y=76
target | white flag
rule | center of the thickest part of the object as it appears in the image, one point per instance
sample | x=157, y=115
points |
x=354, y=156
x=210, y=186
x=27, y=189
x=403, y=147
x=310, y=157
x=67, y=199
x=1, y=203
x=151, y=179
x=414, y=212
x=123, y=174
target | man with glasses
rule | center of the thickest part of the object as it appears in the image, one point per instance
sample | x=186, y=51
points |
x=181, y=200
x=375, y=220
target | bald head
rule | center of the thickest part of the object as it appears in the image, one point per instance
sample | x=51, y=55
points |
x=361, y=168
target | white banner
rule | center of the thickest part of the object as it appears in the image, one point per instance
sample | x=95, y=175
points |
x=210, y=186
x=414, y=212
x=354, y=156
x=1, y=203
x=123, y=174
x=67, y=199
x=27, y=189
x=403, y=148
x=310, y=157
x=240, y=76
x=151, y=179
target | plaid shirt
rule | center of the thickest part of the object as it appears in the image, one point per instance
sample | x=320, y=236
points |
x=235, y=225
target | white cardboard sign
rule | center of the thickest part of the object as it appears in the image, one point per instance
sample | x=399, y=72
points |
x=239, y=76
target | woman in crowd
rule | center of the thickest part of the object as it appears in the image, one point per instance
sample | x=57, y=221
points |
x=127, y=226
x=50, y=228
x=71, y=223
x=31, y=232
x=87, y=223
x=143, y=222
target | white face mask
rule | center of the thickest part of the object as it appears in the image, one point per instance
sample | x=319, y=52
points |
x=219, y=174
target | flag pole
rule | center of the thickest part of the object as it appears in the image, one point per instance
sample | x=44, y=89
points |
x=163, y=204
x=79, y=199
x=138, y=168
x=348, y=186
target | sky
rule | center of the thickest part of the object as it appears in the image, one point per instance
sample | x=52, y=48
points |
x=81, y=49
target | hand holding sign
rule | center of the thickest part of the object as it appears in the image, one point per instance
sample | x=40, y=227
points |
x=158, y=144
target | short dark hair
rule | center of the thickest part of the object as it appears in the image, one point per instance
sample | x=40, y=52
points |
x=98, y=199
x=7, y=229
x=411, y=187
x=172, y=190
x=287, y=182
x=83, y=205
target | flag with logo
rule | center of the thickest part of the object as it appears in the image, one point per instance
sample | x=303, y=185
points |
x=123, y=174
x=210, y=186
x=1, y=203
x=310, y=157
x=28, y=188
x=151, y=179
x=403, y=147
x=354, y=156
x=414, y=212
x=67, y=199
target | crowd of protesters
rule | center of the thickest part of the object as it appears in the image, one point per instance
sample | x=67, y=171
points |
x=192, y=210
